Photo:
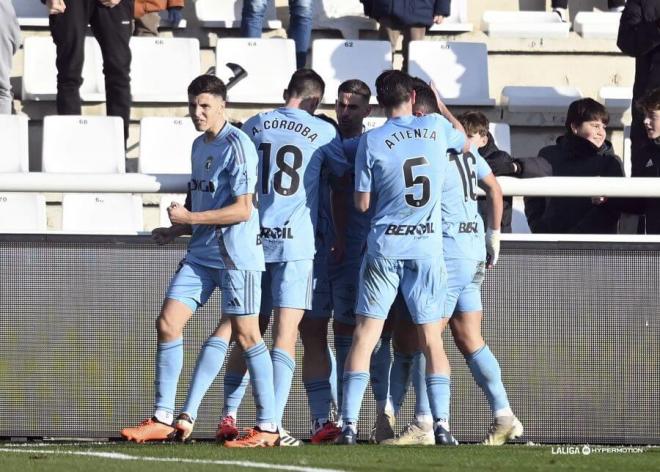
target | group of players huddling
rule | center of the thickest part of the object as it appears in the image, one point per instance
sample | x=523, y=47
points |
x=296, y=215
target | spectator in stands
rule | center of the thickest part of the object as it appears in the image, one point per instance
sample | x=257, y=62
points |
x=560, y=7
x=639, y=37
x=582, y=151
x=10, y=40
x=501, y=163
x=300, y=24
x=147, y=19
x=411, y=18
x=112, y=25
x=650, y=152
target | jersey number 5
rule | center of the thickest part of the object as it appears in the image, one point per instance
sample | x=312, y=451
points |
x=411, y=181
x=284, y=168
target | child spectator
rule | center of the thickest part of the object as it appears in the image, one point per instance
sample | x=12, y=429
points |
x=650, y=153
x=501, y=163
x=582, y=151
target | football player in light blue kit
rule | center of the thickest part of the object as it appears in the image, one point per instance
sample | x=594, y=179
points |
x=467, y=251
x=292, y=145
x=398, y=163
x=224, y=251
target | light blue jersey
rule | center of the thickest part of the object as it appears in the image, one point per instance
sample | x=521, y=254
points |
x=462, y=226
x=222, y=170
x=292, y=146
x=403, y=164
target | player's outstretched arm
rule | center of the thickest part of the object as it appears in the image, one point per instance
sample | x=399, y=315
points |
x=495, y=207
x=237, y=212
x=444, y=111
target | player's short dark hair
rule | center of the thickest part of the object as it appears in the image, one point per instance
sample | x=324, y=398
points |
x=474, y=122
x=650, y=102
x=393, y=88
x=305, y=83
x=585, y=109
x=208, y=84
x=355, y=87
x=425, y=101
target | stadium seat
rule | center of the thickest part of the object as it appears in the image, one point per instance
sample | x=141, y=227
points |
x=101, y=213
x=457, y=21
x=459, y=70
x=627, y=152
x=31, y=13
x=227, y=14
x=337, y=60
x=518, y=219
x=346, y=16
x=162, y=68
x=40, y=73
x=165, y=145
x=616, y=99
x=14, y=143
x=372, y=122
x=165, y=201
x=524, y=24
x=539, y=99
x=83, y=144
x=597, y=24
x=269, y=64
x=22, y=212
x=502, y=135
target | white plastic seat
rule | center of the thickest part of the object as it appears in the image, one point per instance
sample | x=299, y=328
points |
x=83, y=144
x=227, y=14
x=459, y=70
x=616, y=99
x=31, y=14
x=162, y=68
x=165, y=201
x=457, y=21
x=371, y=122
x=269, y=64
x=346, y=16
x=524, y=24
x=40, y=72
x=502, y=135
x=337, y=60
x=539, y=99
x=101, y=213
x=597, y=24
x=22, y=212
x=165, y=145
x=14, y=143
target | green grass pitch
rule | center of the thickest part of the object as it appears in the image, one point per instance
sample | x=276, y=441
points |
x=206, y=456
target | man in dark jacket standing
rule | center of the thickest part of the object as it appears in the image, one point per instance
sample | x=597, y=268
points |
x=639, y=37
x=112, y=25
x=410, y=17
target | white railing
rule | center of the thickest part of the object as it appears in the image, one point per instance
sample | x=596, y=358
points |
x=175, y=183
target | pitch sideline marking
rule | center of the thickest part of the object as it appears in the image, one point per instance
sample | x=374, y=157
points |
x=126, y=457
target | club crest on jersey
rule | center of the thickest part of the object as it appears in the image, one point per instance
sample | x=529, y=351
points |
x=208, y=163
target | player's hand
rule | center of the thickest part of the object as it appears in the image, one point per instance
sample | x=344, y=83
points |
x=492, y=247
x=441, y=104
x=338, y=250
x=110, y=3
x=163, y=236
x=438, y=19
x=55, y=7
x=178, y=214
x=598, y=200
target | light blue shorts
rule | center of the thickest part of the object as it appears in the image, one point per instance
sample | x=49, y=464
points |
x=287, y=285
x=422, y=283
x=321, y=291
x=193, y=284
x=464, y=286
